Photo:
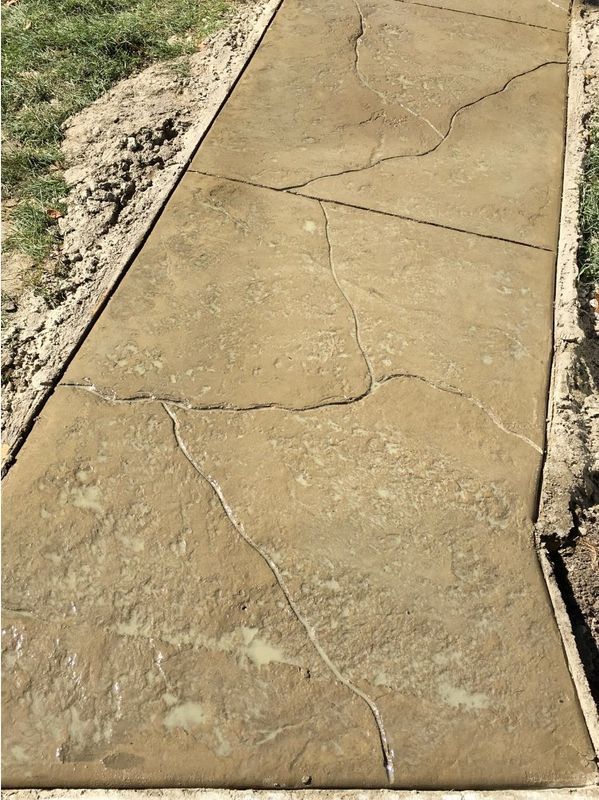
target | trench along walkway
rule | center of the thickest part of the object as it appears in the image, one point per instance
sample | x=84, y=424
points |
x=275, y=526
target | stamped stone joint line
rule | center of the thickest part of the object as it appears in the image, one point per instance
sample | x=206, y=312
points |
x=388, y=755
x=432, y=149
x=112, y=397
x=364, y=81
x=391, y=214
x=350, y=305
x=342, y=401
x=485, y=16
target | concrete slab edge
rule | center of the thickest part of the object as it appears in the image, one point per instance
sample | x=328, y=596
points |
x=582, y=793
x=575, y=665
x=566, y=331
x=565, y=286
x=191, y=141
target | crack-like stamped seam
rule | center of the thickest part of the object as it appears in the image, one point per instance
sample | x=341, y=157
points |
x=350, y=305
x=450, y=389
x=366, y=83
x=112, y=397
x=388, y=755
x=357, y=42
x=380, y=211
x=435, y=147
x=486, y=16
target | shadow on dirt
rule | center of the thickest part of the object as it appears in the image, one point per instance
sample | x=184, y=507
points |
x=588, y=647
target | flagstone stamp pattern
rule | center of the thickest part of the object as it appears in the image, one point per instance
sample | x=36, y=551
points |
x=275, y=526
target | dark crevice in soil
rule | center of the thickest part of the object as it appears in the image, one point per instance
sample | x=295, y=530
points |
x=588, y=646
x=575, y=557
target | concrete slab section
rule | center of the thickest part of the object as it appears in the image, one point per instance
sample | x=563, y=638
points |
x=421, y=90
x=269, y=301
x=395, y=527
x=497, y=173
x=208, y=621
x=463, y=312
x=277, y=530
x=232, y=301
x=338, y=85
x=144, y=644
x=544, y=13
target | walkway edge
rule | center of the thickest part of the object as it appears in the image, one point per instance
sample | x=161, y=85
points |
x=582, y=793
x=555, y=520
x=191, y=141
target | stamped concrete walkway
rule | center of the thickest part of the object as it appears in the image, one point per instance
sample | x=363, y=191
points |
x=275, y=526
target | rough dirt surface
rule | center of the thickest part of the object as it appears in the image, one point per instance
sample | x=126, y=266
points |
x=588, y=793
x=124, y=153
x=569, y=518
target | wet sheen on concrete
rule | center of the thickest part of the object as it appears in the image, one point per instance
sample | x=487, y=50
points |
x=275, y=526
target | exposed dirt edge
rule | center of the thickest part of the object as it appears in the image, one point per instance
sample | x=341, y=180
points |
x=580, y=793
x=569, y=480
x=127, y=152
x=575, y=665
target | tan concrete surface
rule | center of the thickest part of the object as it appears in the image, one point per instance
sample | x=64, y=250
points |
x=464, y=113
x=485, y=176
x=544, y=13
x=264, y=349
x=275, y=527
x=236, y=319
x=159, y=649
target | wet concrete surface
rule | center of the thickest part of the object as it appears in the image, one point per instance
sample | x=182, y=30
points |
x=550, y=14
x=275, y=526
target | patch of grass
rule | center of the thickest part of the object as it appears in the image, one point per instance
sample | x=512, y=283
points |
x=59, y=56
x=588, y=252
x=32, y=230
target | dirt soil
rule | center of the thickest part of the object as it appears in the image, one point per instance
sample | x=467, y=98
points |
x=124, y=153
x=569, y=517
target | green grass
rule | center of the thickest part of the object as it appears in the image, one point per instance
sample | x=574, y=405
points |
x=57, y=57
x=588, y=252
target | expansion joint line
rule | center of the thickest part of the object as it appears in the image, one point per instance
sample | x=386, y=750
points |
x=436, y=146
x=391, y=214
x=388, y=755
x=483, y=16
